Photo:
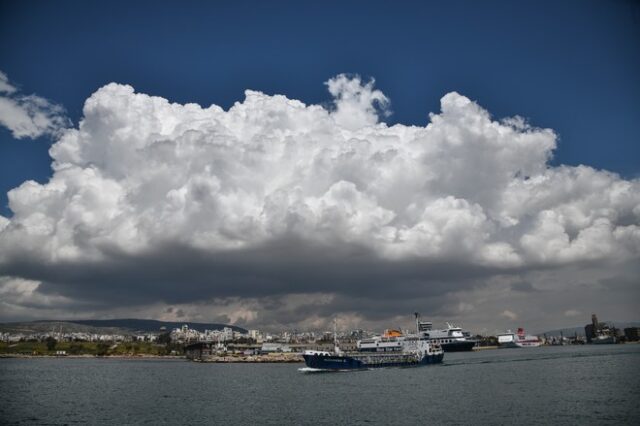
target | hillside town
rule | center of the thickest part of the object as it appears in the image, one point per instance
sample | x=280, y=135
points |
x=228, y=340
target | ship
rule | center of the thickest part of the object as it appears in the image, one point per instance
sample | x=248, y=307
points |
x=518, y=340
x=452, y=339
x=391, y=349
x=600, y=333
x=604, y=339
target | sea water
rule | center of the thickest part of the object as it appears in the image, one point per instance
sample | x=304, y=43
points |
x=547, y=385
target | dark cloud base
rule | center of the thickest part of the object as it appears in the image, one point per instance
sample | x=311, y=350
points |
x=356, y=279
x=182, y=274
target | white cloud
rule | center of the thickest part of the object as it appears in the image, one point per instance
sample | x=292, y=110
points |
x=29, y=116
x=355, y=103
x=509, y=315
x=17, y=294
x=5, y=86
x=140, y=171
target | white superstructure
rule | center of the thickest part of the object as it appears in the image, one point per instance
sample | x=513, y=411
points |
x=518, y=340
x=452, y=338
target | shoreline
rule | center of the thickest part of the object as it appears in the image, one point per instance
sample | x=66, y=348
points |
x=288, y=358
x=230, y=359
x=133, y=357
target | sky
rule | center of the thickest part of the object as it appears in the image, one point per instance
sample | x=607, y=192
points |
x=276, y=164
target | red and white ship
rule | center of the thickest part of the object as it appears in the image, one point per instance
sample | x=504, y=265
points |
x=518, y=340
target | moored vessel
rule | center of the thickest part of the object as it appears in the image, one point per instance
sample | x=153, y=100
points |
x=452, y=339
x=518, y=340
x=604, y=339
x=600, y=333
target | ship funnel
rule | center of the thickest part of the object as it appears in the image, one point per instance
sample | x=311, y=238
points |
x=425, y=326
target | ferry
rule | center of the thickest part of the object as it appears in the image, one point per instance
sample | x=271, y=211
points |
x=604, y=339
x=392, y=349
x=518, y=340
x=452, y=339
x=601, y=333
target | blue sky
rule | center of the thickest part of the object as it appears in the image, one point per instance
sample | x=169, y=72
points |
x=572, y=66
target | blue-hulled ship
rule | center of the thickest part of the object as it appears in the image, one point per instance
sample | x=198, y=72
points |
x=392, y=349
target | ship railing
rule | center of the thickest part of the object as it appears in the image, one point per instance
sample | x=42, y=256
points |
x=389, y=358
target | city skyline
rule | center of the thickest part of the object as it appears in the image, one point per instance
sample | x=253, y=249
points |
x=492, y=196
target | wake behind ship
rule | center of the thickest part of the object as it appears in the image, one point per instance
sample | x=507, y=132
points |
x=392, y=349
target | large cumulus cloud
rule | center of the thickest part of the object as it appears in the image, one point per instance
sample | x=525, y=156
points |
x=157, y=202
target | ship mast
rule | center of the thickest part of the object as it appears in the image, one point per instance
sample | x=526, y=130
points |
x=417, y=322
x=335, y=335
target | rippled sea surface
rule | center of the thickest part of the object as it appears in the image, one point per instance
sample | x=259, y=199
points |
x=549, y=385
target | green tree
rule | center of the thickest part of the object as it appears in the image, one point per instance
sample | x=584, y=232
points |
x=164, y=338
x=76, y=348
x=51, y=343
x=102, y=349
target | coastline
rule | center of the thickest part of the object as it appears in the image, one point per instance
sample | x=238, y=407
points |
x=88, y=356
x=274, y=358
x=228, y=359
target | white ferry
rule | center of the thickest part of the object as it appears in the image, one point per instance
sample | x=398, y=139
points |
x=452, y=339
x=518, y=340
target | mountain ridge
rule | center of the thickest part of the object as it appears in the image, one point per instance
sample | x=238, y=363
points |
x=113, y=325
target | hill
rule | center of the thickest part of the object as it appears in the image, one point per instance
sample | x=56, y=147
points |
x=149, y=325
x=109, y=326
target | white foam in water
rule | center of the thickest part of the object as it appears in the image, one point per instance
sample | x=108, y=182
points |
x=310, y=370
